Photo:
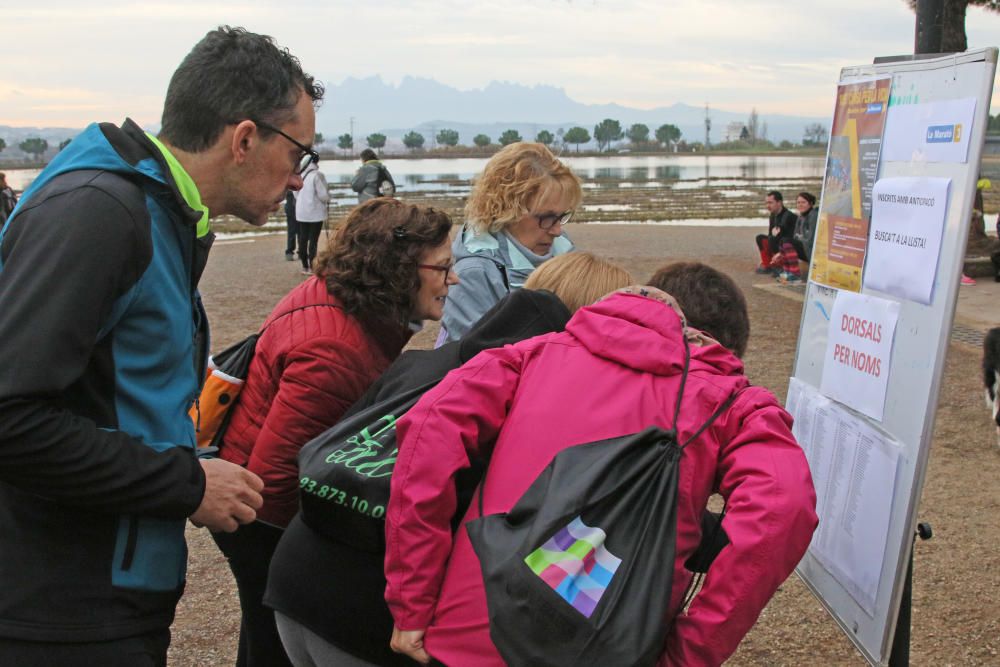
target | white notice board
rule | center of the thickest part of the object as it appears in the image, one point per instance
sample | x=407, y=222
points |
x=928, y=136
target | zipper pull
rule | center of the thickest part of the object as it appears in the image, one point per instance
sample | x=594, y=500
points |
x=197, y=410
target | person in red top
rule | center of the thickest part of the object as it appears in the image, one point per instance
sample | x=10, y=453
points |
x=615, y=370
x=326, y=341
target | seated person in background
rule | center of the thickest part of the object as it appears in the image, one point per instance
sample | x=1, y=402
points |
x=616, y=369
x=799, y=246
x=781, y=226
x=327, y=590
x=514, y=221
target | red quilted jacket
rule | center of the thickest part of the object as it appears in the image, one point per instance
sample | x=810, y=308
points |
x=310, y=365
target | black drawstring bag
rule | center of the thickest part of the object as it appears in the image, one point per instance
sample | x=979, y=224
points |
x=579, y=572
x=345, y=473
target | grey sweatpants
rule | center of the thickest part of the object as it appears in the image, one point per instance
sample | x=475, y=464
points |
x=307, y=649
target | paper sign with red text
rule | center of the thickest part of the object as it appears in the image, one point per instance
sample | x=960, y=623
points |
x=859, y=352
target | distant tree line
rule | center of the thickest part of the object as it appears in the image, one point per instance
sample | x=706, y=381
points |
x=605, y=134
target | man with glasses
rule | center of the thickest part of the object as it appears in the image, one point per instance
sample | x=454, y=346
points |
x=105, y=344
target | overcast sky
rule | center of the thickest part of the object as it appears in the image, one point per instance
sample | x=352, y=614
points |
x=66, y=63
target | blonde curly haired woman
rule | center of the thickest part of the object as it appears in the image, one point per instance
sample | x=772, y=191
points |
x=514, y=222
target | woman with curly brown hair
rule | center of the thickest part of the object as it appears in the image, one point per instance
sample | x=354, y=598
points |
x=320, y=348
x=514, y=222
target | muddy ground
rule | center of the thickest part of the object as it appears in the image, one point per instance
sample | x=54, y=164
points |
x=956, y=612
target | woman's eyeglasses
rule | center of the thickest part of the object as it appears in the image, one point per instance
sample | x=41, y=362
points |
x=445, y=269
x=549, y=220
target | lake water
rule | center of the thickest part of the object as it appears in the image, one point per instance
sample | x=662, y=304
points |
x=693, y=171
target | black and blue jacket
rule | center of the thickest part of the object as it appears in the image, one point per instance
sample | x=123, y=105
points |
x=102, y=349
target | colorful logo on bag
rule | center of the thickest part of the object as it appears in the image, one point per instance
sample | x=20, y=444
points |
x=576, y=565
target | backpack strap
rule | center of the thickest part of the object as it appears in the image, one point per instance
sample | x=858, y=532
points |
x=289, y=312
x=684, y=376
x=715, y=415
x=680, y=396
x=501, y=267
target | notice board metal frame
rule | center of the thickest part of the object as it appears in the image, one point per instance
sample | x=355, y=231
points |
x=920, y=345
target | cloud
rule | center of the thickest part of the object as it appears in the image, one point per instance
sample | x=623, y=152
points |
x=732, y=53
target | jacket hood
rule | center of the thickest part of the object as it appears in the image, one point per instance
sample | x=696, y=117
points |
x=521, y=314
x=482, y=245
x=644, y=334
x=124, y=150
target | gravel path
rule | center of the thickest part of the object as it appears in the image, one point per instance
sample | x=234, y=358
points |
x=956, y=613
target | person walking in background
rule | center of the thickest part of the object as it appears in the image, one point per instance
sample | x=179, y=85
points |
x=616, y=369
x=372, y=178
x=326, y=582
x=8, y=200
x=514, y=222
x=799, y=246
x=310, y=213
x=780, y=226
x=325, y=342
x=293, y=227
x=105, y=345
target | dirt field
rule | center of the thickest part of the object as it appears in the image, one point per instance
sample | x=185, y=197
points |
x=956, y=613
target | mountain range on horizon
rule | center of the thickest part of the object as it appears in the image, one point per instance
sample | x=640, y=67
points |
x=427, y=106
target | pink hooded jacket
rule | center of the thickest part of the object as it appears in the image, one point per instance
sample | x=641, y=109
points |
x=614, y=371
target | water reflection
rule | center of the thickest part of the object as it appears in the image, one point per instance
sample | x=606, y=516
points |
x=671, y=172
x=415, y=174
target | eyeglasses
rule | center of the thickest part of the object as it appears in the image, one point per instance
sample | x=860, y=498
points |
x=549, y=220
x=446, y=269
x=309, y=156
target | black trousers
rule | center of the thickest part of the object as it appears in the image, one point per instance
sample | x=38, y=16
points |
x=293, y=234
x=800, y=249
x=308, y=240
x=149, y=650
x=770, y=241
x=249, y=551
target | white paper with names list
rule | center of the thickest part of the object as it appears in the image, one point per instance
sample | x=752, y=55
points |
x=853, y=467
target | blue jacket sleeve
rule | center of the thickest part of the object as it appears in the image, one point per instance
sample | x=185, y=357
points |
x=65, y=262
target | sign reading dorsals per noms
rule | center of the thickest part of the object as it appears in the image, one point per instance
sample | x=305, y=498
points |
x=859, y=352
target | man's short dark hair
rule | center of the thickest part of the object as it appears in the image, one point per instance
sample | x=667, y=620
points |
x=711, y=302
x=777, y=195
x=229, y=76
x=368, y=154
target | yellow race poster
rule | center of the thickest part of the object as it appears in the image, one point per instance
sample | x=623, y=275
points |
x=851, y=169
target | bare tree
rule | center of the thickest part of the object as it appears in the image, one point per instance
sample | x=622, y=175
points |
x=753, y=126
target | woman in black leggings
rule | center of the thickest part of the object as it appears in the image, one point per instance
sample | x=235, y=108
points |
x=310, y=212
x=308, y=239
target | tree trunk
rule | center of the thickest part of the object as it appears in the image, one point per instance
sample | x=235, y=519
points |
x=953, y=26
x=927, y=34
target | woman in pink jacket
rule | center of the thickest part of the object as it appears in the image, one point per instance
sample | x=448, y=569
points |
x=614, y=371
